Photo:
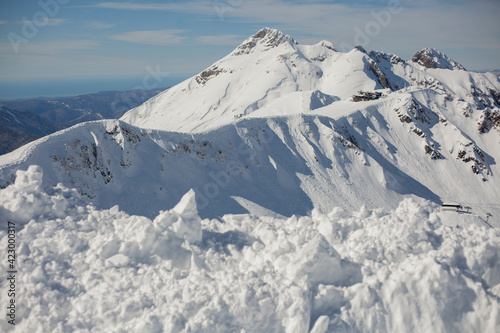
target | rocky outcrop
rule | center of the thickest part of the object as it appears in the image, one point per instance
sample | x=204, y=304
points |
x=432, y=58
x=266, y=37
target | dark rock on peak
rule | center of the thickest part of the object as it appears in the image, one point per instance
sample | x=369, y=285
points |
x=267, y=38
x=432, y=58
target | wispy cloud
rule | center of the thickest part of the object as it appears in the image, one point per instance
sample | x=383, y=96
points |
x=416, y=24
x=99, y=25
x=48, y=22
x=188, y=6
x=158, y=37
x=39, y=66
x=51, y=47
x=221, y=39
x=3, y=22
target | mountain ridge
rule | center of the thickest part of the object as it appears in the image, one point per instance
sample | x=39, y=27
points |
x=268, y=72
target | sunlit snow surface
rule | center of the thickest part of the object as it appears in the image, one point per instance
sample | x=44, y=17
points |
x=84, y=269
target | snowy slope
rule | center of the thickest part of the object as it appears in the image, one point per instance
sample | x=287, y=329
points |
x=270, y=65
x=276, y=165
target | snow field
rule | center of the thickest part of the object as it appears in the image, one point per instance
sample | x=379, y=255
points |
x=84, y=269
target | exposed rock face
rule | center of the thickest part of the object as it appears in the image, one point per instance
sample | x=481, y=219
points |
x=382, y=79
x=380, y=56
x=208, y=74
x=490, y=119
x=266, y=37
x=432, y=58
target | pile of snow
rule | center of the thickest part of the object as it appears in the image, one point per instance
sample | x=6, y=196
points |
x=85, y=269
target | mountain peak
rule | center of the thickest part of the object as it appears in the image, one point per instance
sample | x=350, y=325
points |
x=266, y=37
x=329, y=45
x=432, y=58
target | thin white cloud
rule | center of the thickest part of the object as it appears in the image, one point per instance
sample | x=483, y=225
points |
x=221, y=39
x=47, y=22
x=3, y=22
x=188, y=6
x=37, y=66
x=158, y=37
x=469, y=24
x=24, y=66
x=99, y=25
x=51, y=47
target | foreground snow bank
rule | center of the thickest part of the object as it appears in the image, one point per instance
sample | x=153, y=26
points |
x=83, y=269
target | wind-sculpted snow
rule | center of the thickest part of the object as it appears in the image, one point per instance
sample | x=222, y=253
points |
x=86, y=269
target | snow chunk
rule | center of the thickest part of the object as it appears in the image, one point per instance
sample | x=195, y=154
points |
x=26, y=200
x=319, y=261
x=29, y=180
x=321, y=325
x=188, y=226
x=183, y=219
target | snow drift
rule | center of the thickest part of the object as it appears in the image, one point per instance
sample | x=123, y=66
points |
x=85, y=269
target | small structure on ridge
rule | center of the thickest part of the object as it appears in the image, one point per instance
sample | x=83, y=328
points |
x=366, y=96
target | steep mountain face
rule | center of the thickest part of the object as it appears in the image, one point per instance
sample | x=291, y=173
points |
x=18, y=128
x=68, y=111
x=283, y=165
x=269, y=68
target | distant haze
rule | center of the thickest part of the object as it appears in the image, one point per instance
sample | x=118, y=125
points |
x=72, y=87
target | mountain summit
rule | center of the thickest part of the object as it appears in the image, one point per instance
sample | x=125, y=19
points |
x=269, y=69
x=432, y=58
x=266, y=38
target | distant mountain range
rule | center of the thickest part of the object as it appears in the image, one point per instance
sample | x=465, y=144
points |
x=29, y=119
x=19, y=127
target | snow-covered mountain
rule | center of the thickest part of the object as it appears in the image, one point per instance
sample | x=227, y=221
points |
x=146, y=216
x=272, y=128
x=271, y=73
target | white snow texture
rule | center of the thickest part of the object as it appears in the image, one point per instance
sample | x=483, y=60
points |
x=84, y=269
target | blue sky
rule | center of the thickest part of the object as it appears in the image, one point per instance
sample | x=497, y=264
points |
x=64, y=47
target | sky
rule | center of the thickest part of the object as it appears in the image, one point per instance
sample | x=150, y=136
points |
x=71, y=47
